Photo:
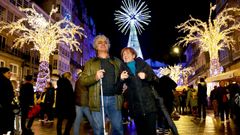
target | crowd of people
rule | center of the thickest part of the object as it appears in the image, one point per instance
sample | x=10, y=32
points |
x=110, y=88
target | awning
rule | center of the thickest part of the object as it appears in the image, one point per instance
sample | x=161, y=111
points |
x=224, y=76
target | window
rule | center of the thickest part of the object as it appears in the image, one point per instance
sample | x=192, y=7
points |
x=10, y=17
x=2, y=42
x=16, y=18
x=19, y=3
x=54, y=64
x=28, y=72
x=14, y=68
x=25, y=4
x=2, y=13
x=2, y=63
x=13, y=2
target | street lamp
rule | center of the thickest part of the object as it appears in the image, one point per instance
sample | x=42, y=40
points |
x=176, y=50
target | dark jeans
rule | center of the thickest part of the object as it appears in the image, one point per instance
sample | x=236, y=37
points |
x=111, y=111
x=163, y=110
x=146, y=124
x=202, y=109
x=224, y=109
x=6, y=120
x=24, y=117
x=48, y=110
x=68, y=126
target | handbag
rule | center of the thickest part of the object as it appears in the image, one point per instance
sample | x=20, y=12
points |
x=34, y=111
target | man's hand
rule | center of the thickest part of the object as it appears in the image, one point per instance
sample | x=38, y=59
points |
x=100, y=74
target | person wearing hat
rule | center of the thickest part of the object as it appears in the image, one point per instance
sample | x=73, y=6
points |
x=6, y=98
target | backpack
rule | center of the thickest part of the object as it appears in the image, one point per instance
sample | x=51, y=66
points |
x=225, y=98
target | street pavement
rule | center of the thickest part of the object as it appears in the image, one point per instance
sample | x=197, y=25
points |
x=187, y=125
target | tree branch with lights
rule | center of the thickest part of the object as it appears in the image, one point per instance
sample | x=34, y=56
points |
x=45, y=35
x=176, y=73
x=211, y=36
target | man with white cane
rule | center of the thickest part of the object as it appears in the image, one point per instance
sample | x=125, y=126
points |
x=101, y=75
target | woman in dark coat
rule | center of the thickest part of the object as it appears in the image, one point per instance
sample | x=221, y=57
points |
x=138, y=76
x=6, y=98
x=65, y=103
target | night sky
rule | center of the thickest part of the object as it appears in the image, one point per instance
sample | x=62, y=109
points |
x=159, y=35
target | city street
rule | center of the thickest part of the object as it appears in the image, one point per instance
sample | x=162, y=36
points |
x=186, y=125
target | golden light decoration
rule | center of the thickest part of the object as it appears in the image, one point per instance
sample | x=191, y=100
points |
x=44, y=34
x=211, y=36
x=176, y=73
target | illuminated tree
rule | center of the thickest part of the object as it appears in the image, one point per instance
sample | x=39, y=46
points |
x=132, y=16
x=210, y=36
x=45, y=35
x=176, y=73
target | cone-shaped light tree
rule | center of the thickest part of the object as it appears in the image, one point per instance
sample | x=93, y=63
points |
x=210, y=36
x=131, y=17
x=45, y=35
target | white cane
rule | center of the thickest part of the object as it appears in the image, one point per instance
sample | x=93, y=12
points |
x=103, y=113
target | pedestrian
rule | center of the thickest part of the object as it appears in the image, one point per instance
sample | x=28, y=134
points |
x=165, y=87
x=106, y=68
x=6, y=99
x=192, y=100
x=139, y=76
x=82, y=108
x=214, y=102
x=202, y=98
x=26, y=99
x=65, y=103
x=223, y=97
x=46, y=103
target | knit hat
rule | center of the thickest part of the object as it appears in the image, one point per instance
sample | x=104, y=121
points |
x=28, y=77
x=4, y=70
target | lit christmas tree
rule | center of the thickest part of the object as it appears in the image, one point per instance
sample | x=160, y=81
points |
x=132, y=16
x=44, y=35
x=210, y=36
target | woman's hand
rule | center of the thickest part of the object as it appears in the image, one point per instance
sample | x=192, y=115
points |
x=124, y=75
x=142, y=75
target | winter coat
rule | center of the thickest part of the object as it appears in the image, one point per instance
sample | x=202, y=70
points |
x=6, y=93
x=81, y=94
x=192, y=97
x=139, y=92
x=165, y=87
x=26, y=97
x=49, y=96
x=65, y=103
x=221, y=92
x=88, y=79
x=6, y=108
x=202, y=93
